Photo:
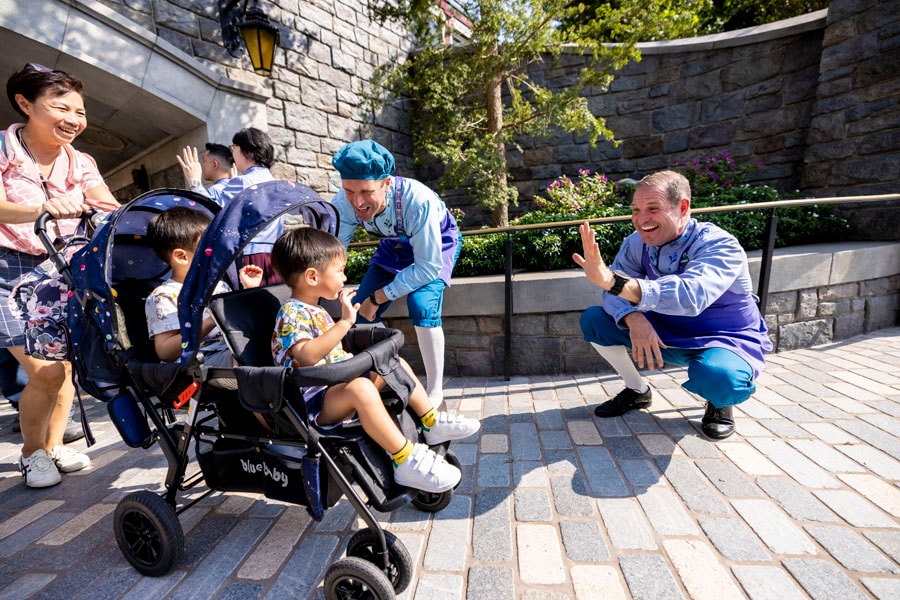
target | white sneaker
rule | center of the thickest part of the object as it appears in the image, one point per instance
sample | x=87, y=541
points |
x=424, y=470
x=39, y=470
x=447, y=428
x=68, y=460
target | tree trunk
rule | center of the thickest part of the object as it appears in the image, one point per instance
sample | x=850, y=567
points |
x=494, y=103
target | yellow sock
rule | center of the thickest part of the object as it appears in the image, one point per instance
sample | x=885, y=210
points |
x=429, y=418
x=401, y=455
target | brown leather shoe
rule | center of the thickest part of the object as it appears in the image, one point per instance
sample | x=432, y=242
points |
x=624, y=401
x=717, y=423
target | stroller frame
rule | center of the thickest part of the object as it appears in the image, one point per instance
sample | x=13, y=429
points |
x=143, y=395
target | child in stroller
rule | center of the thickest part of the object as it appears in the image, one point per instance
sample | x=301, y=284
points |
x=290, y=459
x=311, y=262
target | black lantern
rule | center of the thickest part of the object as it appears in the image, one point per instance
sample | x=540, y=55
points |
x=252, y=25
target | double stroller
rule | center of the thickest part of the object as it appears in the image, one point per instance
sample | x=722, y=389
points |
x=212, y=418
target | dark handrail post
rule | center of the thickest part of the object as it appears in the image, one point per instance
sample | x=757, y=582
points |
x=765, y=265
x=507, y=311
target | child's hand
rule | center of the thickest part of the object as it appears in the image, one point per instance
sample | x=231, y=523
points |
x=250, y=276
x=348, y=310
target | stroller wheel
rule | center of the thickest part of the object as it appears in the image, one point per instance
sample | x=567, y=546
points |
x=432, y=502
x=363, y=545
x=356, y=579
x=148, y=533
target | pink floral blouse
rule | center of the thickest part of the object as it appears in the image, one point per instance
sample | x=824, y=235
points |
x=74, y=173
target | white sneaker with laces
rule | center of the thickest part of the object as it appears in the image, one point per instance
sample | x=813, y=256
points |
x=424, y=470
x=447, y=428
x=68, y=460
x=38, y=470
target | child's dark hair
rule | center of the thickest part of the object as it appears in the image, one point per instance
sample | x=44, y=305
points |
x=303, y=248
x=178, y=227
x=257, y=144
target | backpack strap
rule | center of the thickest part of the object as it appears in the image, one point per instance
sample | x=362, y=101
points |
x=3, y=141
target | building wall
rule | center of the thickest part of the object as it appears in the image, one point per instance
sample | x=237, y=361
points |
x=813, y=99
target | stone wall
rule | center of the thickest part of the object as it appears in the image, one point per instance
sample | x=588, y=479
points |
x=818, y=294
x=813, y=99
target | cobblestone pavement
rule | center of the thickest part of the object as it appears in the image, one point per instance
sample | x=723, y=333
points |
x=802, y=502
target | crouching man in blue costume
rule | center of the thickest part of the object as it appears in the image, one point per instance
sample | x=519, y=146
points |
x=420, y=243
x=678, y=292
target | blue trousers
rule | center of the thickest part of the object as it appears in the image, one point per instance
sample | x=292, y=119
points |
x=717, y=375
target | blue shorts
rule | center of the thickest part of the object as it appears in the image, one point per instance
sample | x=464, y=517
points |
x=424, y=304
x=717, y=375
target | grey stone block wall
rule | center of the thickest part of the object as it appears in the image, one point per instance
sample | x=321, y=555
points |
x=812, y=99
x=802, y=311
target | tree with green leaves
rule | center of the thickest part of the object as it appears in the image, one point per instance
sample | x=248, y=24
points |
x=468, y=102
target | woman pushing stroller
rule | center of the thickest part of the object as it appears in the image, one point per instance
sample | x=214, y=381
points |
x=311, y=262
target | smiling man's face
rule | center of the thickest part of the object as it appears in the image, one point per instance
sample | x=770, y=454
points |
x=656, y=220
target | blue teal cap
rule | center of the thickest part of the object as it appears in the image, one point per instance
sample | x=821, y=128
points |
x=365, y=159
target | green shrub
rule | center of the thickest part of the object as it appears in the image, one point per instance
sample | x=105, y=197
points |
x=715, y=181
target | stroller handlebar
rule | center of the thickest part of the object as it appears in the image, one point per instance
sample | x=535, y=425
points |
x=40, y=228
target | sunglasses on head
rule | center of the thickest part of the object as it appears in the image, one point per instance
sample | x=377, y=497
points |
x=38, y=67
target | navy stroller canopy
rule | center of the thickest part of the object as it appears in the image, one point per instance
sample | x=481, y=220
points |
x=242, y=218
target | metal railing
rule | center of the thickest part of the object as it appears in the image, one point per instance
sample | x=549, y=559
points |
x=765, y=268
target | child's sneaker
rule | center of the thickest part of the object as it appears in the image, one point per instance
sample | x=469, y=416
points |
x=447, y=428
x=39, y=470
x=424, y=470
x=68, y=460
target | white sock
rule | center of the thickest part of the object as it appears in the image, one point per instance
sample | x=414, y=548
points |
x=431, y=346
x=619, y=359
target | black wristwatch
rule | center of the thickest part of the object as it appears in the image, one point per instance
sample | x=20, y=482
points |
x=620, y=280
x=373, y=300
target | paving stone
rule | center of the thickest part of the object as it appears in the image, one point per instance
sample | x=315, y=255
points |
x=695, y=489
x=555, y=440
x=494, y=442
x=700, y=572
x=888, y=541
x=547, y=415
x=749, y=459
x=823, y=580
x=784, y=429
x=640, y=473
x=584, y=433
x=827, y=457
x=490, y=583
x=492, y=530
x=873, y=436
x=697, y=447
x=524, y=442
x=448, y=542
x=223, y=558
x=852, y=550
x=494, y=470
x=583, y=540
x=798, y=502
x=648, y=577
x=540, y=556
x=855, y=509
x=532, y=505
x=625, y=524
x=803, y=470
x=571, y=496
x=529, y=473
x=773, y=528
x=829, y=433
x=658, y=445
x=877, y=491
x=600, y=471
x=881, y=588
x=874, y=460
x=728, y=479
x=276, y=545
x=767, y=583
x=597, y=582
x=665, y=512
x=625, y=447
x=305, y=567
x=733, y=540
x=26, y=586
x=432, y=586
x=613, y=427
x=241, y=591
